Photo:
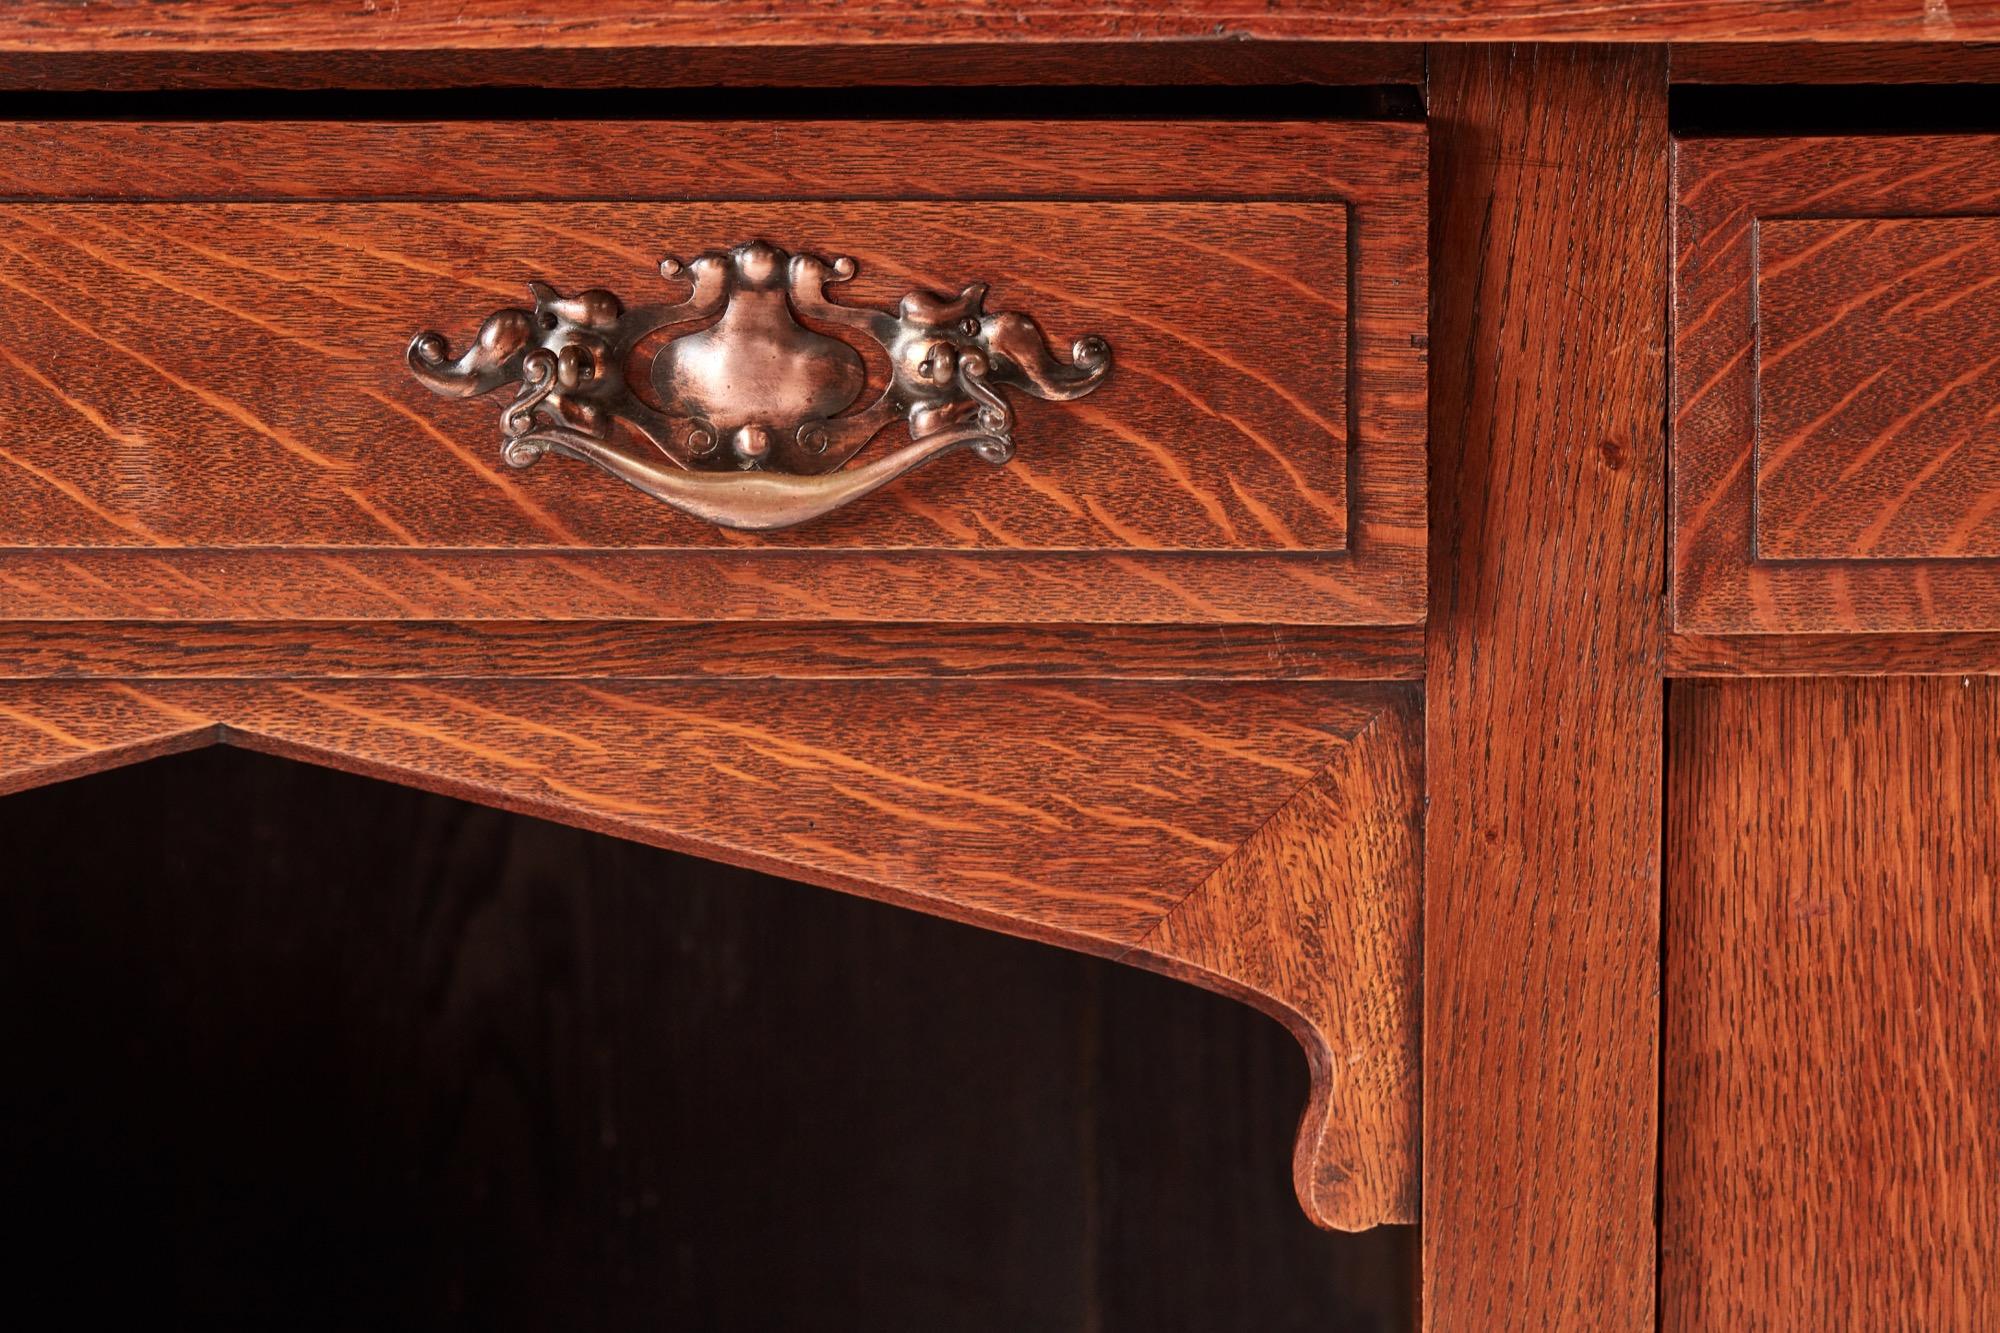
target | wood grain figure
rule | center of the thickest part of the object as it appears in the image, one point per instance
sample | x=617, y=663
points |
x=298, y=25
x=1541, y=924
x=1831, y=1077
x=299, y=476
x=1835, y=400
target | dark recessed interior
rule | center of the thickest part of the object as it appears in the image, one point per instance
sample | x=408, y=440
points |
x=292, y=1049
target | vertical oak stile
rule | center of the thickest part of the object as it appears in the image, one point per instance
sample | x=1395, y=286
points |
x=1543, y=700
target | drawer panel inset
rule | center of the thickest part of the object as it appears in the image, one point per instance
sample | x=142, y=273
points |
x=1878, y=388
x=212, y=415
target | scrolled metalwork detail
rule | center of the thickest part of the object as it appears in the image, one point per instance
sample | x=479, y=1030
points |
x=758, y=411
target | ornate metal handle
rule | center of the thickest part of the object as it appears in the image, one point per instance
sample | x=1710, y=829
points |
x=756, y=411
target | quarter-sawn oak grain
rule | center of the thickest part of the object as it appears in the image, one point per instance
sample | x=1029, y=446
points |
x=1832, y=1054
x=305, y=435
x=215, y=423
x=1892, y=503
x=301, y=25
x=1258, y=839
x=1316, y=898
x=656, y=649
x=1878, y=388
x=1541, y=924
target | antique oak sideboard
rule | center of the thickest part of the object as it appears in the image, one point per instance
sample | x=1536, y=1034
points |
x=1470, y=529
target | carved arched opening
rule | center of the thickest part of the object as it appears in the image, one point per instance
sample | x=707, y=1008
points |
x=281, y=1032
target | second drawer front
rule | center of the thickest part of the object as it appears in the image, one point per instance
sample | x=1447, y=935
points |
x=212, y=416
x=1837, y=385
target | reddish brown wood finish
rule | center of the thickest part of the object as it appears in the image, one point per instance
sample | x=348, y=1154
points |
x=1832, y=654
x=664, y=650
x=1260, y=839
x=1878, y=401
x=237, y=25
x=1831, y=1073
x=1864, y=500
x=1541, y=938
x=307, y=436
x=306, y=474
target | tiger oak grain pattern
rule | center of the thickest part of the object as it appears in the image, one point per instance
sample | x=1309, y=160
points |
x=855, y=785
x=1875, y=463
x=1081, y=813
x=1878, y=388
x=304, y=435
x=663, y=649
x=235, y=25
x=1831, y=1077
x=1541, y=925
x=306, y=475
x=1321, y=906
x=660, y=160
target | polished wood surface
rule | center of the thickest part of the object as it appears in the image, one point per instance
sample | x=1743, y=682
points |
x=1541, y=928
x=1175, y=63
x=350, y=1056
x=1317, y=900
x=1876, y=391
x=657, y=650
x=788, y=158
x=1832, y=654
x=329, y=484
x=195, y=25
x=1830, y=1075
x=1706, y=407
x=1863, y=501
x=310, y=438
x=1097, y=815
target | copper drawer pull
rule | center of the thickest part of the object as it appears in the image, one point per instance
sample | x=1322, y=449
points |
x=754, y=425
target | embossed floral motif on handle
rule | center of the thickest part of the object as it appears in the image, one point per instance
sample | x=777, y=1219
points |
x=759, y=415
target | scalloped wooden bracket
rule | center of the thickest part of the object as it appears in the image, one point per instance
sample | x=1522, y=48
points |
x=1316, y=920
x=1079, y=813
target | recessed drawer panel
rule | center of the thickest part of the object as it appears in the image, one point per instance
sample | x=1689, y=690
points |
x=213, y=415
x=1878, y=424
x=1837, y=385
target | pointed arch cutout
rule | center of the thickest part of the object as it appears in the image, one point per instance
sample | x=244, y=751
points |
x=1257, y=839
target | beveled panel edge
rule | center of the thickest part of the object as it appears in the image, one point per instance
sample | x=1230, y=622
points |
x=1721, y=187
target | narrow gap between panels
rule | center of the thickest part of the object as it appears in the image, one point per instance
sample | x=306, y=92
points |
x=1757, y=110
x=1287, y=102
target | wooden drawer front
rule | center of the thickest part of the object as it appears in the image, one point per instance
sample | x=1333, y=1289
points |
x=212, y=417
x=1837, y=385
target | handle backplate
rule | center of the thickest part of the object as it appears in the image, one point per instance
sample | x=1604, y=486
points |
x=758, y=412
